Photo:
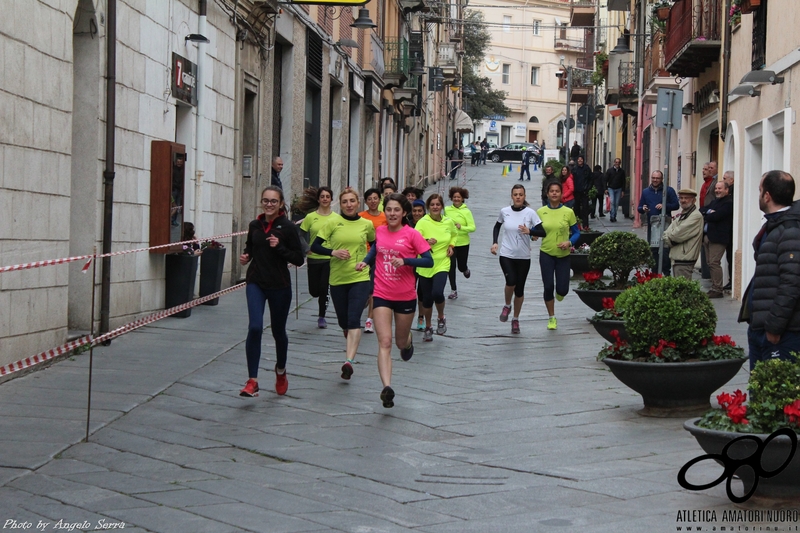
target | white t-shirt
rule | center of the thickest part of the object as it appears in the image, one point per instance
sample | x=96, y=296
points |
x=517, y=245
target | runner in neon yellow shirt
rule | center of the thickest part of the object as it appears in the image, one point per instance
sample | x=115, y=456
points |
x=441, y=233
x=460, y=214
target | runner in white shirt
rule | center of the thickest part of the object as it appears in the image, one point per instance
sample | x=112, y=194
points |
x=518, y=222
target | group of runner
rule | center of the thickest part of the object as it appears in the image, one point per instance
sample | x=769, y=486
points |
x=394, y=257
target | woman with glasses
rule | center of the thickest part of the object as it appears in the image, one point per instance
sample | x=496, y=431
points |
x=345, y=240
x=272, y=242
x=317, y=203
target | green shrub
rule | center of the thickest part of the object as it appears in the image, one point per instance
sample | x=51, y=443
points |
x=620, y=252
x=773, y=385
x=671, y=309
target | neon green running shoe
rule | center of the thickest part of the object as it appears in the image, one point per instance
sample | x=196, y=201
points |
x=559, y=297
x=552, y=324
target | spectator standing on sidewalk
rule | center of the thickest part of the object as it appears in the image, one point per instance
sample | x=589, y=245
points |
x=272, y=242
x=456, y=156
x=398, y=250
x=277, y=166
x=718, y=236
x=567, y=187
x=547, y=176
x=575, y=152
x=345, y=241
x=599, y=184
x=728, y=178
x=582, y=179
x=650, y=206
x=484, y=150
x=317, y=203
x=524, y=167
x=615, y=183
x=685, y=235
x=771, y=303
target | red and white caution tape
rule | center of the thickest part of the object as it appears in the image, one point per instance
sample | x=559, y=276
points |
x=50, y=262
x=88, y=340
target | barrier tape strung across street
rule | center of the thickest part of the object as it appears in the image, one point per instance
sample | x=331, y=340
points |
x=88, y=340
x=50, y=262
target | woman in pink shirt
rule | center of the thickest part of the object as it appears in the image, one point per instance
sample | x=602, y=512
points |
x=398, y=249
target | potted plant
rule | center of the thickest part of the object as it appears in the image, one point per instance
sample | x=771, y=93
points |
x=181, y=271
x=609, y=322
x=617, y=251
x=672, y=357
x=661, y=10
x=735, y=13
x=579, y=260
x=774, y=405
x=212, y=265
x=748, y=6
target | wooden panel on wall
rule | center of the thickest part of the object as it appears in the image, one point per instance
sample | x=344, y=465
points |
x=167, y=173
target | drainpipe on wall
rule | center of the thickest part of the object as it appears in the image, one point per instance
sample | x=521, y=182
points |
x=200, y=139
x=726, y=74
x=108, y=173
x=635, y=192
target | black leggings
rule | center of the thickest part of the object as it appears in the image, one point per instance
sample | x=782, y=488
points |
x=432, y=289
x=460, y=255
x=516, y=273
x=318, y=275
x=349, y=301
x=554, y=268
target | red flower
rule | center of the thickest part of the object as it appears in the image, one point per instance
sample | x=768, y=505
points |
x=724, y=399
x=658, y=350
x=737, y=413
x=703, y=342
x=793, y=412
x=593, y=276
x=614, y=333
x=722, y=339
x=608, y=303
x=646, y=275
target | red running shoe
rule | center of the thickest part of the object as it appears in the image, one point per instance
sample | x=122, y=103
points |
x=281, y=383
x=250, y=389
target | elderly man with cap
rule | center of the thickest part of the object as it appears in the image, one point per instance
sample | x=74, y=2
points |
x=685, y=235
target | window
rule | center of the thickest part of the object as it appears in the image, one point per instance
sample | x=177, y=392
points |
x=759, y=57
x=506, y=73
x=537, y=24
x=534, y=75
x=507, y=23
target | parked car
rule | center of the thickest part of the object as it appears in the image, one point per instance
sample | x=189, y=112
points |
x=509, y=152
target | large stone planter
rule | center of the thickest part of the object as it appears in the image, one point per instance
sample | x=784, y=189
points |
x=783, y=486
x=675, y=389
x=605, y=327
x=579, y=263
x=594, y=299
x=181, y=271
x=587, y=237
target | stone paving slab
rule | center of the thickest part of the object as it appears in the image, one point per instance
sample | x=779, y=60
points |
x=490, y=431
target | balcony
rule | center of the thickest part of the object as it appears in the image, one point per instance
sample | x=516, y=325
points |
x=655, y=75
x=582, y=12
x=582, y=86
x=693, y=40
x=628, y=82
x=397, y=61
x=570, y=40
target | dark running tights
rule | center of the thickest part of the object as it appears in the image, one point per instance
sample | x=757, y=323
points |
x=460, y=255
x=279, y=302
x=318, y=276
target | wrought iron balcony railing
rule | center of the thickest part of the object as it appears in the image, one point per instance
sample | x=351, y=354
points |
x=693, y=39
x=628, y=79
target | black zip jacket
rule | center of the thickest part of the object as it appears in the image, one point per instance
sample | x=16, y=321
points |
x=268, y=266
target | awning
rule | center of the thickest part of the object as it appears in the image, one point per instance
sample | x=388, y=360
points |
x=558, y=21
x=463, y=122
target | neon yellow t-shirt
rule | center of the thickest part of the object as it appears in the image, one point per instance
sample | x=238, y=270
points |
x=556, y=222
x=312, y=224
x=353, y=236
x=461, y=215
x=445, y=233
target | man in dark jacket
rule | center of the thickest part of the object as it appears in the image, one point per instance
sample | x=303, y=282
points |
x=582, y=179
x=772, y=301
x=548, y=175
x=575, y=152
x=599, y=184
x=718, y=215
x=277, y=166
x=615, y=183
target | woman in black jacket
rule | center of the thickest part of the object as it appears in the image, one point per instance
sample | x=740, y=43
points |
x=272, y=242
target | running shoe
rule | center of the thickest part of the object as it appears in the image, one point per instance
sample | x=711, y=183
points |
x=407, y=352
x=453, y=296
x=552, y=323
x=504, y=313
x=441, y=326
x=428, y=335
x=250, y=389
x=368, y=326
x=421, y=323
x=281, y=382
x=467, y=273
x=514, y=326
x=387, y=397
x=322, y=323
x=559, y=297
x=347, y=370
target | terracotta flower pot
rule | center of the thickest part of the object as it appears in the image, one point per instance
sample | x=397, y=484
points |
x=662, y=13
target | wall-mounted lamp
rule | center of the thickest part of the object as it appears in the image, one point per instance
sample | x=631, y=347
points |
x=417, y=69
x=622, y=46
x=349, y=43
x=363, y=22
x=196, y=38
x=761, y=76
x=713, y=98
x=746, y=90
x=688, y=109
